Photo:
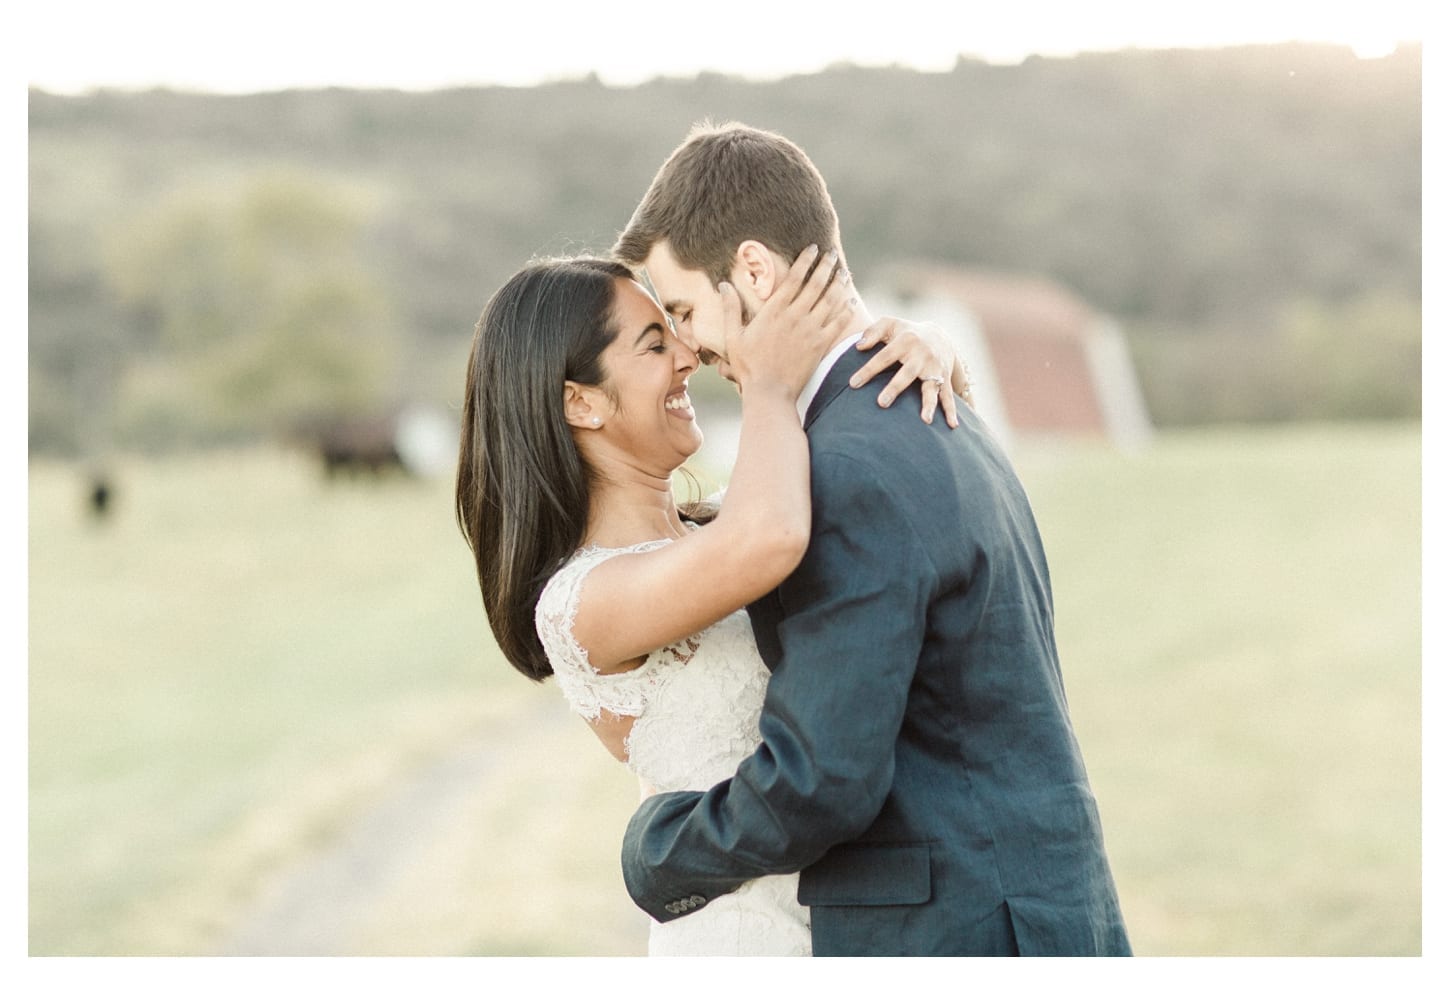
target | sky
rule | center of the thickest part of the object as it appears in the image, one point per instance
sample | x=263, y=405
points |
x=224, y=46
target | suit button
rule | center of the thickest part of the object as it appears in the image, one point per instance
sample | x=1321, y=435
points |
x=698, y=901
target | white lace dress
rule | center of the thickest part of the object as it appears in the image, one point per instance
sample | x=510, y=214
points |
x=696, y=705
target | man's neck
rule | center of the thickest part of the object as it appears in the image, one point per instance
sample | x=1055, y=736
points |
x=859, y=321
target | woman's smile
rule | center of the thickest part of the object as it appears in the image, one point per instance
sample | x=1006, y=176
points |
x=677, y=404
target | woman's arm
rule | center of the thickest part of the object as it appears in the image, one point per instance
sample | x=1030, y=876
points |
x=635, y=603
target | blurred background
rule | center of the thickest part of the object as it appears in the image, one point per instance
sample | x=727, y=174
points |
x=1183, y=262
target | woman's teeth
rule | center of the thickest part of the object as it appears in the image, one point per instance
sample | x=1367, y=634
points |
x=681, y=402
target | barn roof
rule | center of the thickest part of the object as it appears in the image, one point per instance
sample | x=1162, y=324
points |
x=1046, y=359
x=1003, y=303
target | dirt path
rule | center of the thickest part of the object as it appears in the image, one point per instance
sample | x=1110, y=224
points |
x=317, y=906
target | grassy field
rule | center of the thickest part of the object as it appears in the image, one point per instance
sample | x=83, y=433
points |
x=247, y=660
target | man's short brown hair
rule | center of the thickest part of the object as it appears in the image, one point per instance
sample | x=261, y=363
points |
x=726, y=184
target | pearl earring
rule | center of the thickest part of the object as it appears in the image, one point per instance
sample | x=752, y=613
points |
x=595, y=421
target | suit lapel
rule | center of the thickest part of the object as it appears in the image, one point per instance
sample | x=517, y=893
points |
x=835, y=383
x=765, y=615
x=766, y=612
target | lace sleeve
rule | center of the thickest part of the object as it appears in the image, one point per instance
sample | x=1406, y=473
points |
x=587, y=691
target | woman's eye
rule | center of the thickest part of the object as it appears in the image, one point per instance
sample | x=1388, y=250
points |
x=659, y=348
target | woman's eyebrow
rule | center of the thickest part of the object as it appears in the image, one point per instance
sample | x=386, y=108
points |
x=651, y=327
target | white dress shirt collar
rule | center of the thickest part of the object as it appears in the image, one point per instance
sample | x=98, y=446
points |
x=813, y=385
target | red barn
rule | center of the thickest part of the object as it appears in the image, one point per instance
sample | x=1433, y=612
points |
x=1045, y=366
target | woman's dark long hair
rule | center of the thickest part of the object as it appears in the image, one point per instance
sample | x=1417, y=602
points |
x=522, y=493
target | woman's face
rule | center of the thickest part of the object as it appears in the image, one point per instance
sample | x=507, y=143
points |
x=646, y=368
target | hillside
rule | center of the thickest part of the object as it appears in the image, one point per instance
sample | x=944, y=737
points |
x=1194, y=195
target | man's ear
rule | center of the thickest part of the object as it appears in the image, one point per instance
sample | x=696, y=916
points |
x=583, y=406
x=756, y=270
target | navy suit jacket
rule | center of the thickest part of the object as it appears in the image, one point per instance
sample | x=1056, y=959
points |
x=918, y=766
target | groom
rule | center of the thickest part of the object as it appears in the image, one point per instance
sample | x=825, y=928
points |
x=918, y=766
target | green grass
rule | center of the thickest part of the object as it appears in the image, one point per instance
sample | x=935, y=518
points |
x=242, y=642
x=1239, y=623
x=246, y=658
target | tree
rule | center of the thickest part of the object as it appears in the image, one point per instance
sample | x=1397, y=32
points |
x=255, y=307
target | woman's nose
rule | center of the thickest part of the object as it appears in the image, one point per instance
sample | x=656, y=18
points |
x=685, y=357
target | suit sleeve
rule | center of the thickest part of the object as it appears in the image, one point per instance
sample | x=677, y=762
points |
x=855, y=621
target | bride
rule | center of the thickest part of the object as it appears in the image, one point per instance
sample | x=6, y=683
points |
x=576, y=415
